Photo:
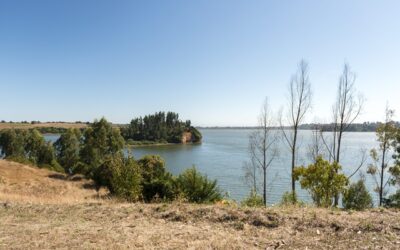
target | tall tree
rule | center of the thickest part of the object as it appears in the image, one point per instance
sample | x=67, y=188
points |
x=346, y=109
x=262, y=148
x=100, y=142
x=67, y=149
x=385, y=133
x=299, y=103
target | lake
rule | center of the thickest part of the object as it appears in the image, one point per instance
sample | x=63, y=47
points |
x=223, y=152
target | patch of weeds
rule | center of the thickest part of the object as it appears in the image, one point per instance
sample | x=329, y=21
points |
x=173, y=216
x=161, y=208
x=370, y=227
x=259, y=222
x=314, y=215
x=228, y=217
x=238, y=225
x=200, y=213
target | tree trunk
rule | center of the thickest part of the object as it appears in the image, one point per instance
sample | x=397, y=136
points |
x=382, y=171
x=294, y=163
x=265, y=166
x=338, y=158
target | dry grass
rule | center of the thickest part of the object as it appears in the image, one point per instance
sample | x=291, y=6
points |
x=30, y=184
x=41, y=125
x=81, y=221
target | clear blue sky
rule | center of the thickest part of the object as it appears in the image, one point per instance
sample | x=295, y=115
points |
x=211, y=61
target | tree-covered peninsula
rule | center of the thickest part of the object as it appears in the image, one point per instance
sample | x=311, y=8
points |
x=159, y=128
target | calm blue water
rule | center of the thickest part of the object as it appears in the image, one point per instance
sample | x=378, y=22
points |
x=223, y=152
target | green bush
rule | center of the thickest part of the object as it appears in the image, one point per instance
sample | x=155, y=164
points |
x=289, y=199
x=393, y=200
x=197, y=188
x=253, y=200
x=357, y=197
x=323, y=180
x=125, y=179
x=156, y=181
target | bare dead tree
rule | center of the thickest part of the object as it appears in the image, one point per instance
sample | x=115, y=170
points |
x=299, y=103
x=347, y=108
x=316, y=147
x=251, y=168
x=262, y=148
x=345, y=111
x=363, y=159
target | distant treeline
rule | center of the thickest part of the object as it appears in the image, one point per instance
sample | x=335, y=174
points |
x=160, y=127
x=355, y=127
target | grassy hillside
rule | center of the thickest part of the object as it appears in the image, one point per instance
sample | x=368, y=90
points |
x=41, y=209
x=41, y=125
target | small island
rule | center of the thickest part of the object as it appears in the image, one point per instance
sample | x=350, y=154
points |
x=160, y=129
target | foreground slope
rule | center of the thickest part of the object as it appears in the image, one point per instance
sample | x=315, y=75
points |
x=61, y=213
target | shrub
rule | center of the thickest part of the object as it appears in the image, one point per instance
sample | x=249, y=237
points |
x=289, y=199
x=322, y=180
x=253, y=200
x=125, y=179
x=197, y=188
x=156, y=182
x=357, y=197
x=393, y=200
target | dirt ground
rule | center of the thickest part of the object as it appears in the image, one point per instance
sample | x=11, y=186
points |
x=41, y=211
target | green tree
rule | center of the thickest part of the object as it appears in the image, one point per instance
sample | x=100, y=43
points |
x=159, y=127
x=385, y=133
x=197, y=188
x=323, y=180
x=12, y=143
x=357, y=197
x=67, y=150
x=35, y=146
x=156, y=182
x=394, y=200
x=46, y=157
x=100, y=142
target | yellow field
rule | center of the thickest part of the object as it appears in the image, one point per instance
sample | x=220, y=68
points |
x=41, y=125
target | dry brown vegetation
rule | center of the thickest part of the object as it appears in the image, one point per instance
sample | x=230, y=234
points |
x=41, y=125
x=41, y=210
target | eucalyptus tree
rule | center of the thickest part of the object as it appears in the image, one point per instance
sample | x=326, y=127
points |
x=67, y=149
x=386, y=133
